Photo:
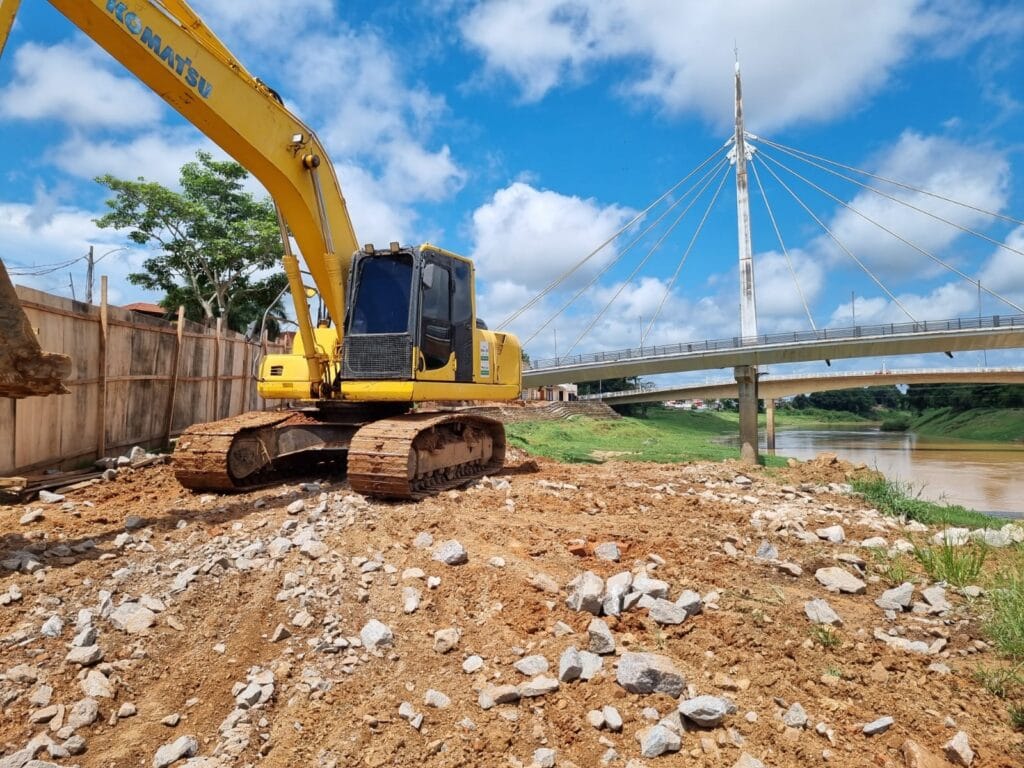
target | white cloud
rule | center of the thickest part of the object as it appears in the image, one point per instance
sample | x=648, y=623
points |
x=777, y=293
x=72, y=82
x=530, y=236
x=1004, y=271
x=802, y=61
x=265, y=22
x=974, y=175
x=66, y=234
x=155, y=156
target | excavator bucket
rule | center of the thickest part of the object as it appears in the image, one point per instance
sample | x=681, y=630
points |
x=25, y=370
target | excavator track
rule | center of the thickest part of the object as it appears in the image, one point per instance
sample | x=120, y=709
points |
x=208, y=456
x=415, y=455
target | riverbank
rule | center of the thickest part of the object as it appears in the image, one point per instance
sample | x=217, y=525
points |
x=665, y=435
x=997, y=425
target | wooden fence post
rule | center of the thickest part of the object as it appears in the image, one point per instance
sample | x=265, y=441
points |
x=216, y=370
x=172, y=389
x=101, y=417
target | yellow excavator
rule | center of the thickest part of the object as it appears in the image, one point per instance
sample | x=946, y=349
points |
x=402, y=325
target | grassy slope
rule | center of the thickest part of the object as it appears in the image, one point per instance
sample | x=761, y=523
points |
x=993, y=424
x=664, y=436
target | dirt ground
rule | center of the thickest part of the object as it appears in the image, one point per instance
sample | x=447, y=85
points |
x=333, y=703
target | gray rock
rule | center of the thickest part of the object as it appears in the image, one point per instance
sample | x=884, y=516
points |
x=472, y=664
x=279, y=547
x=649, y=673
x=705, y=711
x=532, y=665
x=451, y=552
x=658, y=740
x=82, y=713
x=691, y=601
x=376, y=634
x=820, y=612
x=609, y=551
x=280, y=633
x=585, y=592
x=795, y=716
x=766, y=551
x=134, y=522
x=52, y=627
x=184, y=746
x=595, y=718
x=32, y=516
x=436, y=699
x=897, y=599
x=881, y=725
x=652, y=587
x=132, y=618
x=748, y=761
x=97, y=686
x=423, y=540
x=74, y=745
x=570, y=667
x=544, y=583
x=935, y=596
x=47, y=497
x=592, y=665
x=837, y=579
x=958, y=750
x=600, y=637
x=544, y=758
x=128, y=709
x=85, y=656
x=539, y=686
x=446, y=639
x=875, y=542
x=410, y=599
x=612, y=718
x=833, y=533
x=492, y=695
x=184, y=578
x=663, y=612
x=295, y=507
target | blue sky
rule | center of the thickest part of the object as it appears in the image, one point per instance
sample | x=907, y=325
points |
x=525, y=132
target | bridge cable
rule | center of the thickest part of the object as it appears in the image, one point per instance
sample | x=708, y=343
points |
x=846, y=250
x=785, y=251
x=640, y=266
x=907, y=204
x=901, y=184
x=627, y=249
x=686, y=253
x=899, y=237
x=565, y=275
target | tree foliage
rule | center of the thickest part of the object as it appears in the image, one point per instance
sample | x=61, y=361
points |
x=214, y=243
x=963, y=397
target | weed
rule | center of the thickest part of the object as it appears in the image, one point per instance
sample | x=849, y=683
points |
x=1016, y=712
x=825, y=636
x=955, y=565
x=833, y=671
x=900, y=499
x=1006, y=624
x=999, y=682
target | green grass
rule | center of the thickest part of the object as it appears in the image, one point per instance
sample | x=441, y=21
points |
x=999, y=682
x=825, y=636
x=956, y=565
x=1005, y=626
x=899, y=499
x=999, y=425
x=1016, y=712
x=665, y=436
x=898, y=422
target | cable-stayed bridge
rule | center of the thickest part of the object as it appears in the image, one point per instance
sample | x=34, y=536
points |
x=913, y=334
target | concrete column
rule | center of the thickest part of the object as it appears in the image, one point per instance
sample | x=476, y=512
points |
x=746, y=380
x=769, y=410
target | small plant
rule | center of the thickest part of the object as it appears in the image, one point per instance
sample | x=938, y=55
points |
x=896, y=572
x=999, y=682
x=1016, y=712
x=825, y=636
x=833, y=671
x=1006, y=624
x=955, y=565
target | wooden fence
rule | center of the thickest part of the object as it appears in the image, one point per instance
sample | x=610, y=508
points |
x=135, y=380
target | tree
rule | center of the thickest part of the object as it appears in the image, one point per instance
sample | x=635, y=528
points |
x=213, y=241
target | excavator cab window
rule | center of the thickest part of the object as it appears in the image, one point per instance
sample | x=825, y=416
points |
x=436, y=331
x=381, y=301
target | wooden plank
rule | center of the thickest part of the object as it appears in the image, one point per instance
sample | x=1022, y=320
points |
x=169, y=411
x=215, y=378
x=7, y=433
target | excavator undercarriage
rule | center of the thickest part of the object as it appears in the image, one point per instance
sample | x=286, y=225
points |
x=389, y=453
x=25, y=370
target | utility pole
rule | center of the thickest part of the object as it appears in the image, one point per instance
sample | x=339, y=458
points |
x=71, y=282
x=746, y=375
x=90, y=266
x=853, y=307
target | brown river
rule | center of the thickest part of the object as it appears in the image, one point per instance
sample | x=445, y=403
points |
x=988, y=477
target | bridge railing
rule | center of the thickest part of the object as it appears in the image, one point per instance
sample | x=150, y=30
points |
x=892, y=374
x=795, y=337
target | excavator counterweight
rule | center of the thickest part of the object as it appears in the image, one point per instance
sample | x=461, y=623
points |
x=25, y=370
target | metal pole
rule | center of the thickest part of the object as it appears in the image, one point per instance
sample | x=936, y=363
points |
x=853, y=307
x=984, y=352
x=746, y=375
x=90, y=265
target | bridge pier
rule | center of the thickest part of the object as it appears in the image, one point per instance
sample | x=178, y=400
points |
x=769, y=412
x=746, y=381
